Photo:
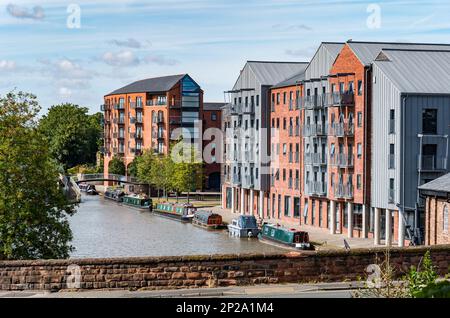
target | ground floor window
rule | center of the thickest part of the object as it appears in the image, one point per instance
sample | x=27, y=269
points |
x=305, y=212
x=320, y=214
x=329, y=216
x=345, y=224
x=229, y=198
x=372, y=220
x=357, y=217
x=287, y=205
x=313, y=212
x=296, y=207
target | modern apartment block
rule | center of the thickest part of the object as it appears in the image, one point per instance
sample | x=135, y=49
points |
x=374, y=123
x=144, y=115
x=247, y=167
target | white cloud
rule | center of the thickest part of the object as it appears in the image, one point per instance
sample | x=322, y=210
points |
x=123, y=58
x=65, y=92
x=160, y=60
x=130, y=43
x=6, y=65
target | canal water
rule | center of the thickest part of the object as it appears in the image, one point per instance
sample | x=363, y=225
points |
x=102, y=229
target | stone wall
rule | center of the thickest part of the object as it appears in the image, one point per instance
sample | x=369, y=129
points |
x=207, y=271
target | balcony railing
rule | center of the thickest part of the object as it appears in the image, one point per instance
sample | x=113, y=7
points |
x=342, y=160
x=249, y=109
x=431, y=163
x=119, y=106
x=315, y=159
x=297, y=131
x=341, y=130
x=105, y=107
x=151, y=102
x=120, y=120
x=343, y=191
x=316, y=188
x=391, y=196
x=249, y=156
x=236, y=109
x=314, y=130
x=236, y=179
x=391, y=126
x=391, y=159
x=340, y=99
x=249, y=181
x=313, y=102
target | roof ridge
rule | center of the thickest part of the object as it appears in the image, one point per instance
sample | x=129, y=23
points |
x=278, y=62
x=414, y=50
x=398, y=43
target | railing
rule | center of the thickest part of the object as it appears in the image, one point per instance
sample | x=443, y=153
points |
x=249, y=156
x=391, y=161
x=391, y=126
x=151, y=102
x=249, y=109
x=340, y=99
x=119, y=106
x=315, y=159
x=105, y=107
x=314, y=130
x=249, y=181
x=431, y=163
x=236, y=109
x=313, y=102
x=120, y=120
x=343, y=191
x=342, y=160
x=132, y=120
x=316, y=188
x=341, y=130
x=391, y=196
x=236, y=179
x=101, y=176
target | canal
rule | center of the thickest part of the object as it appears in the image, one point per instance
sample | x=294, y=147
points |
x=104, y=229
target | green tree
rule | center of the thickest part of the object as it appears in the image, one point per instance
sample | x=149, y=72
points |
x=33, y=209
x=116, y=166
x=187, y=175
x=73, y=135
x=132, y=168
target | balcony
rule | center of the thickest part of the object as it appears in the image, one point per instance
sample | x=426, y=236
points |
x=316, y=188
x=341, y=130
x=151, y=102
x=105, y=107
x=391, y=160
x=342, y=160
x=160, y=120
x=391, y=196
x=391, y=126
x=297, y=131
x=249, y=109
x=236, y=109
x=119, y=106
x=431, y=164
x=137, y=135
x=314, y=130
x=250, y=181
x=315, y=159
x=313, y=102
x=236, y=179
x=249, y=156
x=340, y=99
x=120, y=120
x=132, y=120
x=343, y=191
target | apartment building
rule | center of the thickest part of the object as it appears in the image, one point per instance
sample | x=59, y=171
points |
x=285, y=194
x=144, y=115
x=247, y=168
x=212, y=118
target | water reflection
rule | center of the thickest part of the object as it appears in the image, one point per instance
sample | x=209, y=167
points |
x=102, y=228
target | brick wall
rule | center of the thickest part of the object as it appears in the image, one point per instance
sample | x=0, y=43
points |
x=434, y=221
x=208, y=271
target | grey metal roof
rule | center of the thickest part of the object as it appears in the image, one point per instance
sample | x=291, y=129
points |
x=334, y=48
x=368, y=51
x=441, y=184
x=150, y=85
x=292, y=81
x=413, y=71
x=213, y=106
x=271, y=73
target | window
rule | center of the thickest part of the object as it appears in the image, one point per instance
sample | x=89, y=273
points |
x=278, y=98
x=351, y=87
x=392, y=121
x=287, y=207
x=296, y=207
x=358, y=181
x=391, y=156
x=359, y=149
x=246, y=100
x=391, y=190
x=445, y=219
x=284, y=98
x=305, y=212
x=257, y=100
x=429, y=121
x=360, y=119
x=213, y=116
x=284, y=149
x=360, y=88
x=357, y=216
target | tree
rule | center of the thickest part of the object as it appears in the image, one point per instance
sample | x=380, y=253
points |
x=74, y=137
x=188, y=172
x=33, y=209
x=116, y=166
x=132, y=168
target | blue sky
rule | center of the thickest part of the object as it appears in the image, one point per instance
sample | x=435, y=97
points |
x=126, y=40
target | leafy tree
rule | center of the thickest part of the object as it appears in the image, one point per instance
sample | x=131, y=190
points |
x=187, y=173
x=33, y=209
x=116, y=166
x=74, y=137
x=132, y=168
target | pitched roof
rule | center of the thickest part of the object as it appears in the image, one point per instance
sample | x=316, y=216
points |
x=441, y=184
x=213, y=106
x=271, y=73
x=368, y=51
x=417, y=71
x=292, y=81
x=150, y=85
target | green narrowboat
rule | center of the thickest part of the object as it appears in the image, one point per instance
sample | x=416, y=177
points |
x=283, y=237
x=138, y=201
x=180, y=212
x=208, y=220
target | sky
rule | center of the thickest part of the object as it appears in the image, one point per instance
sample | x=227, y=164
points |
x=78, y=51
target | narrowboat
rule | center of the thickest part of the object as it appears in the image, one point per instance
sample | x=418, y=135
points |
x=244, y=226
x=88, y=188
x=114, y=194
x=283, y=237
x=180, y=212
x=141, y=202
x=208, y=220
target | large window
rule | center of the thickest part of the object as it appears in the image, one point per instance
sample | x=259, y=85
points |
x=296, y=207
x=429, y=121
x=287, y=205
x=445, y=219
x=357, y=217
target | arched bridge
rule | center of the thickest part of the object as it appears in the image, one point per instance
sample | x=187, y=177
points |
x=79, y=178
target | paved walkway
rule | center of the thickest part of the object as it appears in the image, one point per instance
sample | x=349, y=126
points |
x=322, y=290
x=317, y=235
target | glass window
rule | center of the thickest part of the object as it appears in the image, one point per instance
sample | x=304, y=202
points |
x=213, y=116
x=287, y=207
x=360, y=88
x=429, y=121
x=296, y=207
x=359, y=146
x=445, y=219
x=360, y=119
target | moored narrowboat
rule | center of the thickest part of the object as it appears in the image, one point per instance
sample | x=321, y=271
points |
x=244, y=226
x=208, y=220
x=88, y=188
x=114, y=194
x=137, y=201
x=180, y=212
x=283, y=237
